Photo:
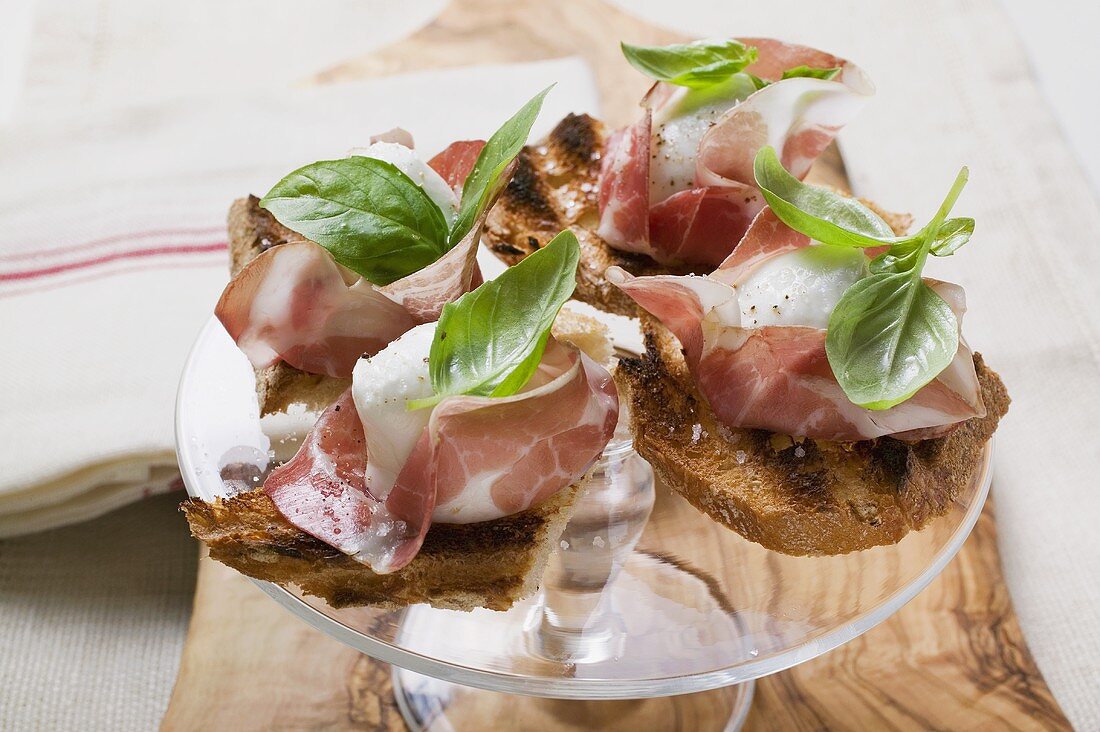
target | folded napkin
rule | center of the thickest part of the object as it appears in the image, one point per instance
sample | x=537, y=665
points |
x=113, y=252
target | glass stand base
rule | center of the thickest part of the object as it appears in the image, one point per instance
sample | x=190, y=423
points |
x=433, y=705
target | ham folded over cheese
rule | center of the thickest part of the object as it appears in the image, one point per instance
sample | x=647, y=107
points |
x=778, y=378
x=477, y=459
x=294, y=303
x=697, y=217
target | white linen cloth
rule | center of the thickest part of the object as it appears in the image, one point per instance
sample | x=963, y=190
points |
x=953, y=88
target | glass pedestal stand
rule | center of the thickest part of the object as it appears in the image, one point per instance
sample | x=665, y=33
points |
x=651, y=616
x=573, y=622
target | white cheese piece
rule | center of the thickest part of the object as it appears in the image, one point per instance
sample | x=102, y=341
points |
x=679, y=126
x=381, y=386
x=800, y=287
x=418, y=171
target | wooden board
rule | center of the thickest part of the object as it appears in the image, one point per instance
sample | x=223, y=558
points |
x=953, y=658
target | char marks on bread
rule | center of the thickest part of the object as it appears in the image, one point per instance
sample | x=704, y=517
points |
x=459, y=566
x=555, y=187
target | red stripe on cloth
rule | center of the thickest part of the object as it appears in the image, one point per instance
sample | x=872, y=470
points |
x=114, y=239
x=29, y=274
x=36, y=286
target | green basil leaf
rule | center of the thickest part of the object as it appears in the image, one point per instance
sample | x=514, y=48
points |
x=500, y=150
x=757, y=81
x=902, y=256
x=807, y=72
x=816, y=212
x=798, y=72
x=371, y=216
x=695, y=65
x=889, y=336
x=952, y=234
x=489, y=342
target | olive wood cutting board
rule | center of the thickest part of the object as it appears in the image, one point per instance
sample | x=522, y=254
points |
x=953, y=658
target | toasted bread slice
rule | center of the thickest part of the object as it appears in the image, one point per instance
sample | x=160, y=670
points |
x=555, y=187
x=460, y=566
x=796, y=497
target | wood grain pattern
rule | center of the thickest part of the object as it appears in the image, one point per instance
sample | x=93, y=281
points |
x=953, y=658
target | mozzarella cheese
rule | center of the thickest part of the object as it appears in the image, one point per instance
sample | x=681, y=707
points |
x=679, y=126
x=381, y=386
x=418, y=171
x=800, y=287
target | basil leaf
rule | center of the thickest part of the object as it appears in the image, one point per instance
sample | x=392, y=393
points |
x=891, y=334
x=888, y=337
x=489, y=342
x=371, y=216
x=757, y=81
x=900, y=257
x=695, y=65
x=816, y=212
x=500, y=150
x=808, y=72
x=952, y=234
x=797, y=72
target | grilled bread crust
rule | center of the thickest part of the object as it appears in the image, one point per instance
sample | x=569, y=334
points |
x=459, y=567
x=807, y=497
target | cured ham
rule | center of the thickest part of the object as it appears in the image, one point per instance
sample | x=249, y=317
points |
x=473, y=459
x=294, y=303
x=397, y=135
x=692, y=153
x=777, y=377
x=322, y=491
x=498, y=456
x=456, y=161
x=624, y=189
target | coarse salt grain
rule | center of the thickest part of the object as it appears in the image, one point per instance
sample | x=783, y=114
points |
x=741, y=456
x=727, y=434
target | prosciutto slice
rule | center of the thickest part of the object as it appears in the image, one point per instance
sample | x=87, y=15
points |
x=624, y=189
x=397, y=135
x=701, y=223
x=456, y=161
x=477, y=459
x=294, y=303
x=322, y=491
x=778, y=378
x=498, y=456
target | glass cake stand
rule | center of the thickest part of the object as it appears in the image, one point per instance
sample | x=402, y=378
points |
x=645, y=598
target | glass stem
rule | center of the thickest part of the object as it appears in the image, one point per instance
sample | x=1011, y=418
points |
x=572, y=622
